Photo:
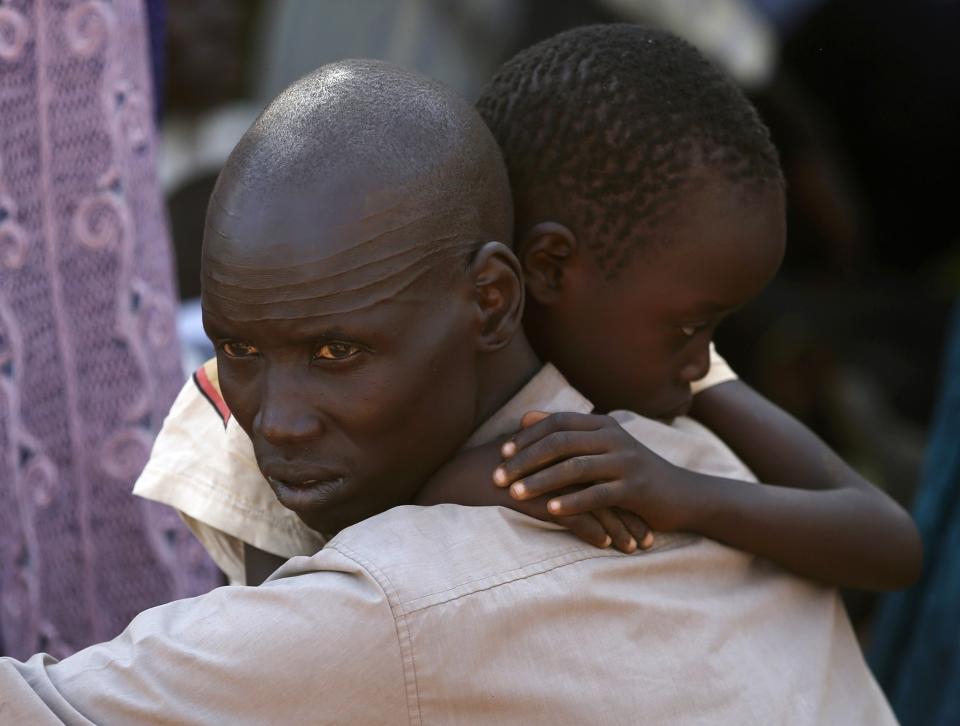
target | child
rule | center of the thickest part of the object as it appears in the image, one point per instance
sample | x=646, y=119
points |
x=649, y=205
x=645, y=190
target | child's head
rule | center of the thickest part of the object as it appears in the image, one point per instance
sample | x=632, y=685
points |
x=648, y=204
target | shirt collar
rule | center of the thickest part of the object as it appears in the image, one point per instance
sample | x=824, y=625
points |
x=547, y=391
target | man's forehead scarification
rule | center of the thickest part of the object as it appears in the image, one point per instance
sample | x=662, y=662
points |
x=380, y=234
x=322, y=280
x=399, y=290
x=307, y=272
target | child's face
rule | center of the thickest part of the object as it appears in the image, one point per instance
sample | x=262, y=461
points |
x=638, y=341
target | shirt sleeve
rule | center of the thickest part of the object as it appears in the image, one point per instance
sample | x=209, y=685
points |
x=317, y=644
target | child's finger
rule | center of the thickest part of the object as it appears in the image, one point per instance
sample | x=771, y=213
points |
x=637, y=527
x=553, y=448
x=577, y=470
x=599, y=496
x=552, y=423
x=622, y=539
x=588, y=528
x=532, y=417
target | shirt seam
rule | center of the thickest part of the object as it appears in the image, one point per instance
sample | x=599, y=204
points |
x=540, y=567
x=518, y=578
x=547, y=563
x=414, y=715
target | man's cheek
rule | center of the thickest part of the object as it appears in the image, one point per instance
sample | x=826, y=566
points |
x=399, y=411
x=417, y=415
x=240, y=397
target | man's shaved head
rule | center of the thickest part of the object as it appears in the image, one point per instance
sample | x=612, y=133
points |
x=357, y=287
x=356, y=120
x=359, y=142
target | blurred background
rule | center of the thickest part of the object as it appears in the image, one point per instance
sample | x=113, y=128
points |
x=863, y=100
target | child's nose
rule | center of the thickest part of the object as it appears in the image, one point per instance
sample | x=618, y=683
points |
x=697, y=366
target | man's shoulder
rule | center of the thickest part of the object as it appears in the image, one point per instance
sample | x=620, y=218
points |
x=478, y=593
x=425, y=556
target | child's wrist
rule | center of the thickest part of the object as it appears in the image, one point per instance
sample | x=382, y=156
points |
x=690, y=500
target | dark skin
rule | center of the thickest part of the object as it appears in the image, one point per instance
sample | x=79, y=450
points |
x=815, y=516
x=334, y=276
x=313, y=339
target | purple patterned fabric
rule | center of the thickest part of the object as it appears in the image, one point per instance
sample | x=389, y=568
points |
x=88, y=356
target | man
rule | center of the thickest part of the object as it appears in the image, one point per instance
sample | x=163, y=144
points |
x=367, y=320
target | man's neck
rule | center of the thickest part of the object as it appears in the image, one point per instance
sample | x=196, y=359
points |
x=508, y=372
x=465, y=479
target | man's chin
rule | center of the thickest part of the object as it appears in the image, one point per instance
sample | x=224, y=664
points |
x=330, y=505
x=326, y=507
x=318, y=503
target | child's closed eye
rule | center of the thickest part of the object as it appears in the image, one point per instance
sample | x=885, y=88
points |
x=691, y=329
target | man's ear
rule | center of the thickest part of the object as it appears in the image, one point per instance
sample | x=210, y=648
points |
x=499, y=295
x=545, y=252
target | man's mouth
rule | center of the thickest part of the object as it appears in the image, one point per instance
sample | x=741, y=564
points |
x=306, y=495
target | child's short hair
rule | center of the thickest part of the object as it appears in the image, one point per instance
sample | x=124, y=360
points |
x=606, y=124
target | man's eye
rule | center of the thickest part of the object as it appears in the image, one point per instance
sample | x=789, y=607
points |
x=336, y=351
x=238, y=350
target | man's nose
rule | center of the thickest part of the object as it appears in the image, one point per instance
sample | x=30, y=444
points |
x=697, y=365
x=286, y=414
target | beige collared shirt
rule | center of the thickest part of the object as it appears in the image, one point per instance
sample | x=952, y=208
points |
x=476, y=615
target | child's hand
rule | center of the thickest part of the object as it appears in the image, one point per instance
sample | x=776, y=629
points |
x=452, y=484
x=555, y=452
x=601, y=527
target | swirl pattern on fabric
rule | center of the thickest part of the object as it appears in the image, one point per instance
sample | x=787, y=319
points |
x=88, y=359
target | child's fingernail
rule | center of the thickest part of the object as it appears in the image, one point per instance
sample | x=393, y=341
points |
x=500, y=477
x=554, y=505
x=647, y=542
x=632, y=545
x=607, y=542
x=508, y=450
x=518, y=489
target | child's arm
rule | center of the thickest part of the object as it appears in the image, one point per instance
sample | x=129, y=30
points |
x=820, y=519
x=452, y=484
x=465, y=480
x=782, y=451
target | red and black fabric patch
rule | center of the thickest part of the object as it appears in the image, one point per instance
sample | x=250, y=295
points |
x=209, y=387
